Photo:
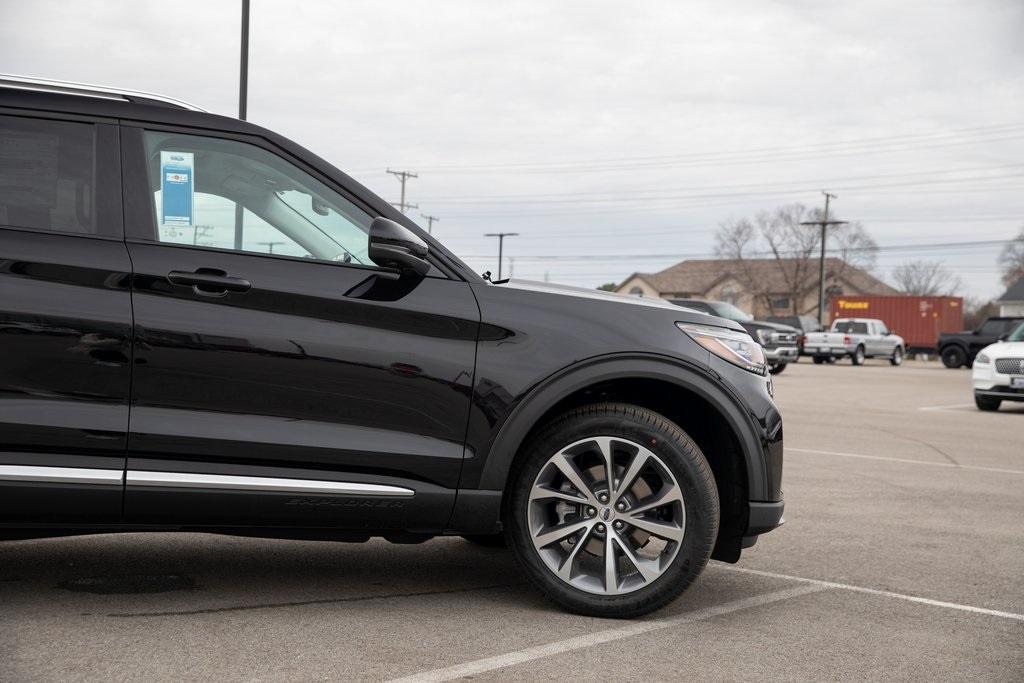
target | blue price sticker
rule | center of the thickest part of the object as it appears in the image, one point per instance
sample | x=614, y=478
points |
x=177, y=185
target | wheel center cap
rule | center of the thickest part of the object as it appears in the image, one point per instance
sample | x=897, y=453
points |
x=606, y=514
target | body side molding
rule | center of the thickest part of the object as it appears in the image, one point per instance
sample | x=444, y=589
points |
x=142, y=478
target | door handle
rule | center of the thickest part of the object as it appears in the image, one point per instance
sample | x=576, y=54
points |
x=209, y=281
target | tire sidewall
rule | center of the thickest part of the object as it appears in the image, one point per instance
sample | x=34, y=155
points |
x=700, y=500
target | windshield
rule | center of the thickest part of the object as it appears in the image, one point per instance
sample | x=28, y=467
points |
x=1017, y=335
x=727, y=310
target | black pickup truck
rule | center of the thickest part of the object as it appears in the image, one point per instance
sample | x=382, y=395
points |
x=959, y=348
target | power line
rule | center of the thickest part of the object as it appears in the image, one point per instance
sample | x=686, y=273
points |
x=752, y=155
x=938, y=246
x=643, y=193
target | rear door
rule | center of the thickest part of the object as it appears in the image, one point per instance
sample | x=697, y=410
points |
x=281, y=378
x=65, y=321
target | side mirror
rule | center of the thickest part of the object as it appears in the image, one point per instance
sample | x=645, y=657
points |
x=395, y=246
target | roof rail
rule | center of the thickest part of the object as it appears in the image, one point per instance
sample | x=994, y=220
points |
x=86, y=90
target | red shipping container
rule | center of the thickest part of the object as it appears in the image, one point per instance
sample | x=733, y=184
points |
x=918, y=319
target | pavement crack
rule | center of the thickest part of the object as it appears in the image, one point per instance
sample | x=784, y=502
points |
x=303, y=603
x=932, y=446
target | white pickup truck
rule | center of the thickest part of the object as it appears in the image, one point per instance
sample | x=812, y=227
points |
x=858, y=338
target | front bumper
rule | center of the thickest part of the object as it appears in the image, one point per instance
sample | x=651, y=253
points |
x=764, y=517
x=781, y=354
x=989, y=383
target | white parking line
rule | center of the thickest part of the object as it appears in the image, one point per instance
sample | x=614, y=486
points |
x=875, y=591
x=608, y=635
x=949, y=465
x=951, y=407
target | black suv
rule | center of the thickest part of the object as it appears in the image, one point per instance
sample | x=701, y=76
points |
x=206, y=327
x=780, y=342
x=960, y=348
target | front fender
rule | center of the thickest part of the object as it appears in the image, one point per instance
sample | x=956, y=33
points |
x=546, y=394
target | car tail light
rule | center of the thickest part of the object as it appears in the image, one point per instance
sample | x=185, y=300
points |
x=846, y=340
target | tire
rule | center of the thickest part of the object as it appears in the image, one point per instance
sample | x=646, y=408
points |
x=678, y=473
x=857, y=357
x=487, y=540
x=818, y=360
x=778, y=368
x=953, y=357
x=986, y=403
x=897, y=357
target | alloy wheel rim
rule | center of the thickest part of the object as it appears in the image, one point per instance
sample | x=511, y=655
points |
x=601, y=538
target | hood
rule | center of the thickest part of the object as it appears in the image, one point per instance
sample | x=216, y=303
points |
x=613, y=297
x=600, y=294
x=1004, y=350
x=778, y=327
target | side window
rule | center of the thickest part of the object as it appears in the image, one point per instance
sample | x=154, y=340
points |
x=47, y=175
x=992, y=327
x=227, y=194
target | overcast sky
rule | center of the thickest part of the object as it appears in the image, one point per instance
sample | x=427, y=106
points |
x=613, y=136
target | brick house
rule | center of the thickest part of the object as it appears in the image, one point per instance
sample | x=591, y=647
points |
x=761, y=287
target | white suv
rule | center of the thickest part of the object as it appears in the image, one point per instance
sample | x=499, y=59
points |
x=998, y=373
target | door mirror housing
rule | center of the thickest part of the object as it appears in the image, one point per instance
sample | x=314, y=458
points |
x=394, y=246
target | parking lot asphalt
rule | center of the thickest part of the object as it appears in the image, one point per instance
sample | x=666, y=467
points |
x=902, y=558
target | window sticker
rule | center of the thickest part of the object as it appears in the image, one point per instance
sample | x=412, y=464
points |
x=177, y=185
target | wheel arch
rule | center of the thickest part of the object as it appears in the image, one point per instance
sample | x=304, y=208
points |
x=683, y=392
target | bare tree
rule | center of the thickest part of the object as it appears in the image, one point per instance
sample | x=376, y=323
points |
x=926, y=278
x=1011, y=260
x=776, y=255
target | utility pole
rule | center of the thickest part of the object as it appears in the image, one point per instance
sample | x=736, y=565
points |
x=402, y=177
x=823, y=223
x=270, y=245
x=501, y=243
x=430, y=223
x=243, y=103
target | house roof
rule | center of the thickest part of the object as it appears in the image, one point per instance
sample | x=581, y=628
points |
x=700, y=275
x=1014, y=293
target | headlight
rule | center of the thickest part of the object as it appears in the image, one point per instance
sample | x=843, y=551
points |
x=764, y=336
x=982, y=359
x=736, y=347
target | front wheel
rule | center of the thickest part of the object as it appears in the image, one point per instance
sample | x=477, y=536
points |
x=897, y=356
x=953, y=357
x=613, y=510
x=818, y=360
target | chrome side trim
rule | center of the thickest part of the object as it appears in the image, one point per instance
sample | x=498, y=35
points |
x=189, y=480
x=86, y=90
x=60, y=475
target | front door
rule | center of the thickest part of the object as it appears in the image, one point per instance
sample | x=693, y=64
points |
x=280, y=377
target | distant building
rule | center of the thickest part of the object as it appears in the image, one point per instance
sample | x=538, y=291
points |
x=761, y=287
x=1011, y=303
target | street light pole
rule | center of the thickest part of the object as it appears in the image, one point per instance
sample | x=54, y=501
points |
x=243, y=103
x=501, y=244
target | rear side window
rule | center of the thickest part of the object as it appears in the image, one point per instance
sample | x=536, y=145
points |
x=48, y=175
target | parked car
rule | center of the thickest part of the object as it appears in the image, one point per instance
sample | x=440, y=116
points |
x=959, y=348
x=779, y=341
x=259, y=345
x=803, y=323
x=858, y=338
x=998, y=371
